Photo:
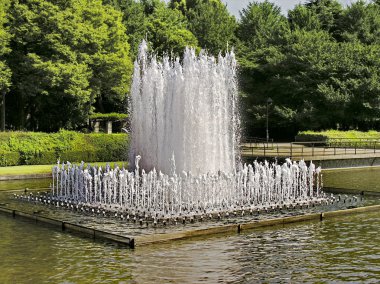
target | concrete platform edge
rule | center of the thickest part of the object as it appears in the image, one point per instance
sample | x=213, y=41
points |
x=169, y=237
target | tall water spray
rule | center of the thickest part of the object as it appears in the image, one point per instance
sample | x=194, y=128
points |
x=185, y=110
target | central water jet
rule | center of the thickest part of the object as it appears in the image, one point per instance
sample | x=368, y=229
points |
x=186, y=109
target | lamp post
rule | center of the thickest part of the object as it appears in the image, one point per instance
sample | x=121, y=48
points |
x=269, y=102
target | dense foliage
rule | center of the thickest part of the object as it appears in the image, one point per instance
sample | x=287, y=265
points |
x=210, y=22
x=62, y=61
x=65, y=57
x=336, y=138
x=113, y=116
x=165, y=29
x=5, y=73
x=309, y=135
x=34, y=148
x=320, y=66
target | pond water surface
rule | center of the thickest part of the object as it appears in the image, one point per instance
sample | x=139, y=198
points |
x=342, y=250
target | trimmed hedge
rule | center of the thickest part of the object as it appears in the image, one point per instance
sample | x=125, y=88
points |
x=336, y=138
x=35, y=148
x=109, y=116
x=336, y=134
x=9, y=158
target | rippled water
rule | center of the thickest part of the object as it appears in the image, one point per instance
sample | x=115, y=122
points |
x=340, y=250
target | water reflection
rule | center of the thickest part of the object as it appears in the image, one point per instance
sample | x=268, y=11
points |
x=341, y=250
x=345, y=250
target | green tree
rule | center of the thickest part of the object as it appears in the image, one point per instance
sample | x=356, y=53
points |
x=5, y=72
x=67, y=58
x=134, y=20
x=210, y=22
x=179, y=5
x=262, y=34
x=361, y=22
x=262, y=25
x=328, y=13
x=303, y=18
x=318, y=83
x=167, y=31
x=321, y=73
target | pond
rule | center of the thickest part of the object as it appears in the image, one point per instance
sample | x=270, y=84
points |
x=347, y=249
x=335, y=250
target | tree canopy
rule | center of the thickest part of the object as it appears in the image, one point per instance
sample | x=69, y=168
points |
x=210, y=22
x=5, y=72
x=320, y=66
x=61, y=61
x=65, y=57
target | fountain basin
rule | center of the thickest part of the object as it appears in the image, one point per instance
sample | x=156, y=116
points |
x=132, y=234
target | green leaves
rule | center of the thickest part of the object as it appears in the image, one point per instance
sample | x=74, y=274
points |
x=5, y=72
x=63, y=60
x=211, y=23
x=167, y=31
x=320, y=73
x=361, y=22
x=70, y=54
x=262, y=24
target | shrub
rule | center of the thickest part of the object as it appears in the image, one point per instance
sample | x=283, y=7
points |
x=78, y=156
x=113, y=116
x=109, y=148
x=41, y=158
x=9, y=159
x=35, y=148
x=338, y=138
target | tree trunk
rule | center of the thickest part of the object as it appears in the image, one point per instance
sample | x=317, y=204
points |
x=2, y=124
x=100, y=104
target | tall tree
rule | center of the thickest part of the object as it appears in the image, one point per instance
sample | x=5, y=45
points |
x=66, y=55
x=167, y=31
x=5, y=72
x=262, y=33
x=210, y=22
x=134, y=20
x=361, y=22
x=262, y=25
x=328, y=13
x=303, y=18
x=316, y=81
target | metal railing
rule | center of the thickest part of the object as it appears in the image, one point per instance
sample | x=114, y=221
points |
x=311, y=149
x=257, y=142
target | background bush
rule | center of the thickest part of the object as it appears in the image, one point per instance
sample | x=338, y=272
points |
x=9, y=158
x=36, y=148
x=338, y=138
x=336, y=134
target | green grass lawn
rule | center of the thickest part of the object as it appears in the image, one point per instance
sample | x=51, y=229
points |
x=41, y=169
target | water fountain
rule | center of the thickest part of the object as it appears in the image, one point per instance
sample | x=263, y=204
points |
x=153, y=195
x=187, y=110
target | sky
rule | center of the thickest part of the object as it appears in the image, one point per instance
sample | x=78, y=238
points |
x=234, y=6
